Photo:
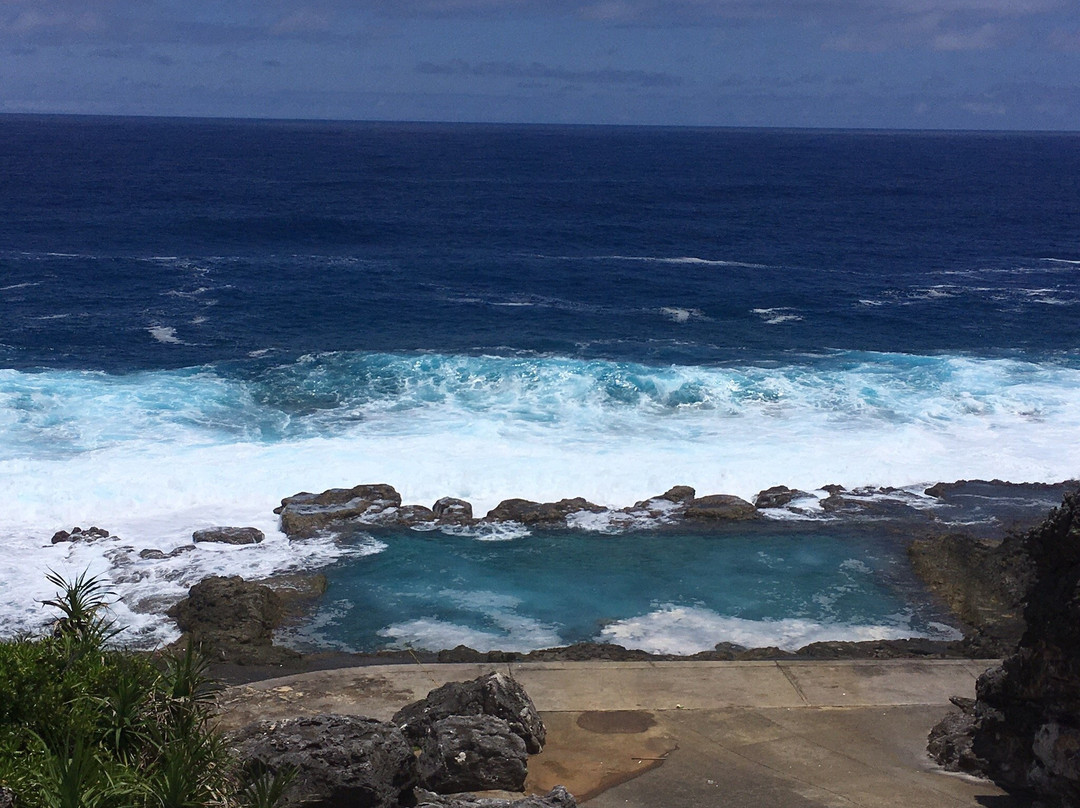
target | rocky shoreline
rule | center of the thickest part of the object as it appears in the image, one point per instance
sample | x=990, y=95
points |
x=980, y=580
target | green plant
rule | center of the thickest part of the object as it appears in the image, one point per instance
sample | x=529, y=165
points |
x=84, y=724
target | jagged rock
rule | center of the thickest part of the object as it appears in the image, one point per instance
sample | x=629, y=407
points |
x=1025, y=727
x=494, y=694
x=304, y=514
x=340, y=761
x=78, y=534
x=833, y=488
x=233, y=620
x=777, y=497
x=229, y=535
x=679, y=494
x=406, y=515
x=528, y=512
x=453, y=511
x=558, y=797
x=983, y=584
x=720, y=506
x=472, y=752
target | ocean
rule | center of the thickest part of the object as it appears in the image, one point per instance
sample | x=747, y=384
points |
x=200, y=317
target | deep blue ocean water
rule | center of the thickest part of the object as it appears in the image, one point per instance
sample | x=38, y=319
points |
x=198, y=318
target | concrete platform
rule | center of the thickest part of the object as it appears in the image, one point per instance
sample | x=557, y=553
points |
x=788, y=734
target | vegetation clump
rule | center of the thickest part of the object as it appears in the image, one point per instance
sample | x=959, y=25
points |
x=86, y=724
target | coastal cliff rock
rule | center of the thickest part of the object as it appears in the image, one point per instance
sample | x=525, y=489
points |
x=494, y=694
x=233, y=620
x=340, y=761
x=229, y=535
x=1023, y=729
x=528, y=512
x=472, y=753
x=984, y=585
x=304, y=514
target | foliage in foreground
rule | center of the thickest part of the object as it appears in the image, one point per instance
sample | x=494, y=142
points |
x=86, y=725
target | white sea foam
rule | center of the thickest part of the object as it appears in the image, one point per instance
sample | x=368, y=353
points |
x=165, y=334
x=689, y=630
x=777, y=315
x=679, y=315
x=15, y=286
x=153, y=456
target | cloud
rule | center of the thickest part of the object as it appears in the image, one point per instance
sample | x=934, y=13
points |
x=537, y=71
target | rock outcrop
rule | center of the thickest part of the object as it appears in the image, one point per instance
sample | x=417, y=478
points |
x=720, y=507
x=527, y=512
x=78, y=534
x=494, y=694
x=472, y=753
x=232, y=620
x=229, y=535
x=558, y=797
x=303, y=515
x=1023, y=729
x=984, y=585
x=777, y=497
x=339, y=761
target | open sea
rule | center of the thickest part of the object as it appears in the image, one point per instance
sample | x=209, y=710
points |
x=198, y=318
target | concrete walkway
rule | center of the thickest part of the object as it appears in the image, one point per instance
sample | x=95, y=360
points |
x=789, y=734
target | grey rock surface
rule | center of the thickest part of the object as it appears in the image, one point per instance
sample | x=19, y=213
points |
x=472, y=753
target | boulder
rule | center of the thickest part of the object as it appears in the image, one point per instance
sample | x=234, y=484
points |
x=778, y=496
x=679, y=495
x=494, y=694
x=229, y=535
x=78, y=534
x=155, y=554
x=558, y=797
x=528, y=512
x=303, y=515
x=453, y=511
x=1025, y=721
x=720, y=507
x=472, y=752
x=340, y=761
x=233, y=620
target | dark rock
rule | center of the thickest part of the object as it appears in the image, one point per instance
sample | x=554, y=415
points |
x=950, y=742
x=233, y=620
x=777, y=497
x=229, y=535
x=720, y=506
x=406, y=515
x=679, y=494
x=154, y=553
x=494, y=694
x=472, y=752
x=304, y=514
x=528, y=512
x=340, y=761
x=765, y=652
x=7, y=798
x=585, y=651
x=1025, y=727
x=453, y=511
x=558, y=797
x=78, y=534
x=833, y=489
x=982, y=583
x=913, y=648
x=462, y=653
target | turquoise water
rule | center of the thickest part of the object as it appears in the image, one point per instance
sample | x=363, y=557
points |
x=667, y=592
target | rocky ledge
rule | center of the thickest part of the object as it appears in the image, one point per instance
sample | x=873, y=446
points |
x=467, y=736
x=1023, y=728
x=303, y=515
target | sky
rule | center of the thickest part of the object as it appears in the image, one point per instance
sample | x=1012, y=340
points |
x=911, y=64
